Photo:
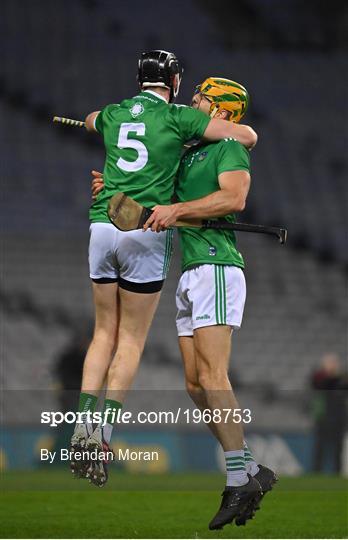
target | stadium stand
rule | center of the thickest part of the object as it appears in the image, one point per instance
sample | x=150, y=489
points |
x=297, y=164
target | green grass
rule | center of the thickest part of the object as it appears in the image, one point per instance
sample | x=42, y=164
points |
x=49, y=504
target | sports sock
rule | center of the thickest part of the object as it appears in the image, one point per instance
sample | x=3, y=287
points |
x=87, y=403
x=250, y=464
x=235, y=468
x=109, y=417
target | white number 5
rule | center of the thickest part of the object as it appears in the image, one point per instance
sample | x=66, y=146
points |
x=125, y=142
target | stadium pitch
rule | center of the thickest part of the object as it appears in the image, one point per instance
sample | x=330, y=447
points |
x=50, y=504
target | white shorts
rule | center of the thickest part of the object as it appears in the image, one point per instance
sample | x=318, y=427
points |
x=210, y=294
x=128, y=257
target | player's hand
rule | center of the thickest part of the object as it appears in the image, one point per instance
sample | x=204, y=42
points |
x=97, y=184
x=161, y=218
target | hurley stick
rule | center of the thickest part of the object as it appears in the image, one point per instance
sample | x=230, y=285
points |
x=68, y=121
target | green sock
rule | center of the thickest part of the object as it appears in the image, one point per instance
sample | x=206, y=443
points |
x=109, y=417
x=87, y=402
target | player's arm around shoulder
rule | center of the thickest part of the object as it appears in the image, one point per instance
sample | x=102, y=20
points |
x=231, y=197
x=233, y=175
x=218, y=129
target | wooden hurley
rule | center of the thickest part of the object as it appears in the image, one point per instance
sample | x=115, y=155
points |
x=128, y=215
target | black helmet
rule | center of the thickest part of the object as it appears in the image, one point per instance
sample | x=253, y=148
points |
x=160, y=68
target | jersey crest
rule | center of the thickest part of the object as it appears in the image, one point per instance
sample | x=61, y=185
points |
x=136, y=110
x=202, y=156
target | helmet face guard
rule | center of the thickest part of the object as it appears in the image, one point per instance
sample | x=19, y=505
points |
x=160, y=68
x=225, y=94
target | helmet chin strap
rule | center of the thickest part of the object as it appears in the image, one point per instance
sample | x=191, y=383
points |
x=176, y=84
x=213, y=110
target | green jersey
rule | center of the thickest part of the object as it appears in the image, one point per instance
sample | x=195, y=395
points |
x=198, y=177
x=143, y=138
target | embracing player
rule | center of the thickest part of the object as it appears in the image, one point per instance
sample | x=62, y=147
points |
x=213, y=181
x=143, y=138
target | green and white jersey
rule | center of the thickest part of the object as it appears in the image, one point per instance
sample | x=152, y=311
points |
x=198, y=177
x=143, y=138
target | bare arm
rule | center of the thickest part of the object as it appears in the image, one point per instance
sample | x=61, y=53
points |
x=90, y=121
x=230, y=198
x=220, y=129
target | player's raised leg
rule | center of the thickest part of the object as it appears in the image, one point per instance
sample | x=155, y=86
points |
x=104, y=340
x=96, y=365
x=136, y=314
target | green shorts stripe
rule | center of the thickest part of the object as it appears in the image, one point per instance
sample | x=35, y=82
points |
x=168, y=252
x=224, y=295
x=171, y=234
x=216, y=294
x=220, y=294
x=165, y=257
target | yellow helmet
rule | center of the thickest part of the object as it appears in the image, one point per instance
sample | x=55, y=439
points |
x=225, y=94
